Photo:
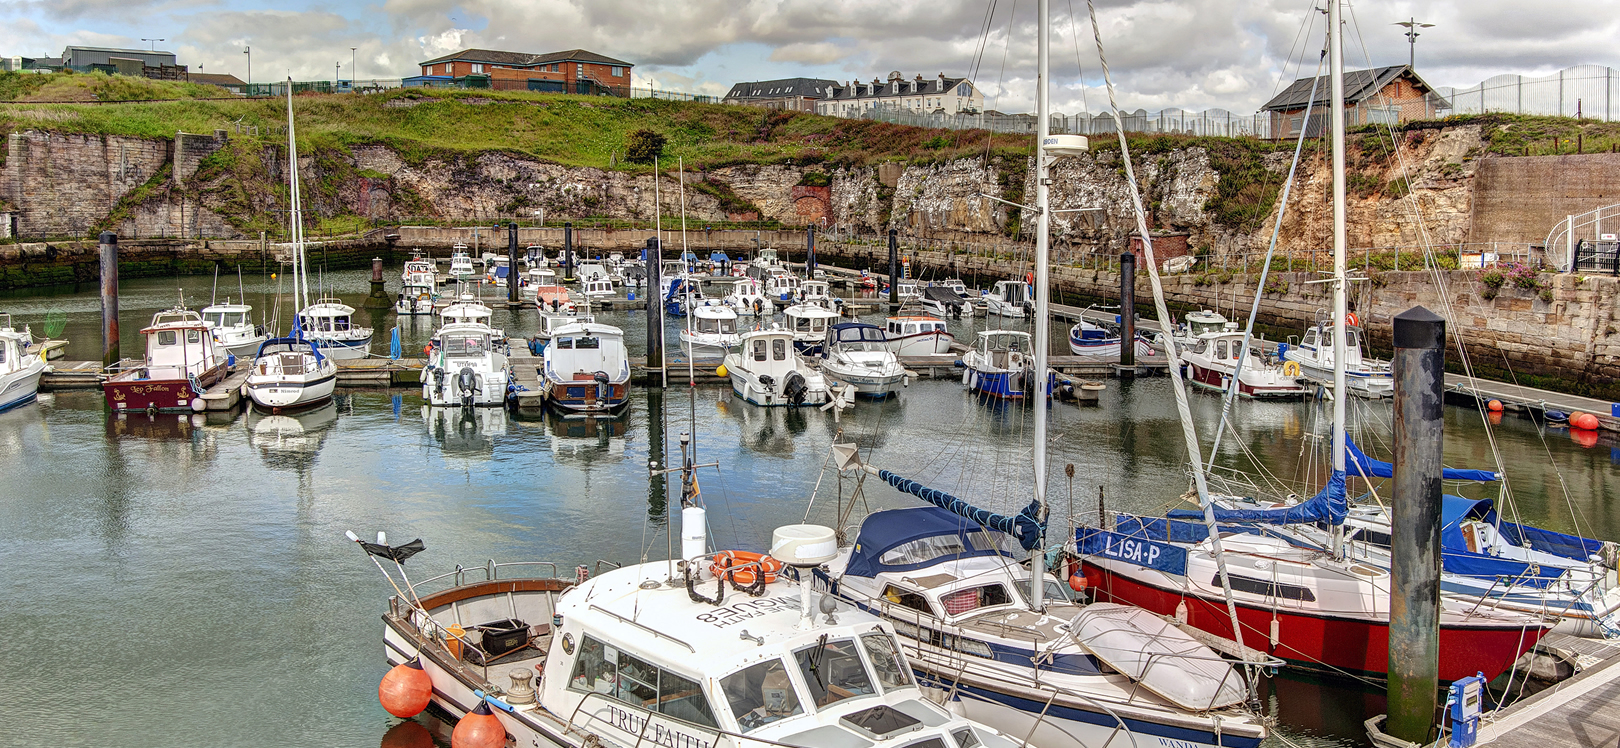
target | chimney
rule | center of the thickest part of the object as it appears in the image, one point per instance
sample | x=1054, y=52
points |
x=940, y=84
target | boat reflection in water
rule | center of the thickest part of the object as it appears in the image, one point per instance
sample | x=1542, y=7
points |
x=465, y=432
x=180, y=438
x=586, y=438
x=290, y=442
x=768, y=431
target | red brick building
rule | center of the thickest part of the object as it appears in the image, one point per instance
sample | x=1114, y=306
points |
x=573, y=71
x=1387, y=95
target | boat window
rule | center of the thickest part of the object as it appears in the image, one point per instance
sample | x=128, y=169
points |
x=923, y=550
x=973, y=598
x=1350, y=339
x=801, y=324
x=779, y=349
x=907, y=599
x=604, y=669
x=1267, y=588
x=929, y=743
x=885, y=660
x=1221, y=349
x=987, y=540
x=587, y=342
x=760, y=694
x=193, y=336
x=759, y=350
x=3, y=349
x=167, y=337
x=464, y=345
x=1201, y=346
x=682, y=698
x=965, y=738
x=1310, y=337
x=834, y=672
x=728, y=326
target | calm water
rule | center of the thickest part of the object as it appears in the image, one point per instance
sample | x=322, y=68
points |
x=183, y=580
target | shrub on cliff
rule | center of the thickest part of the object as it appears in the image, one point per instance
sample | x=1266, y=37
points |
x=643, y=146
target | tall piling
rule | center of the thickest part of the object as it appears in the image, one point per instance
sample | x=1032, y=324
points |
x=655, y=315
x=109, y=298
x=894, y=271
x=810, y=251
x=568, y=252
x=1127, y=309
x=1414, y=609
x=379, y=288
x=511, y=264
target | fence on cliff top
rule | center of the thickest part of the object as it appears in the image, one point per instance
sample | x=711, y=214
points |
x=1210, y=122
x=1587, y=91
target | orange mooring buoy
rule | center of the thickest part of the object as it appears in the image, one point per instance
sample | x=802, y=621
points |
x=1077, y=582
x=1585, y=421
x=405, y=690
x=479, y=729
x=1494, y=406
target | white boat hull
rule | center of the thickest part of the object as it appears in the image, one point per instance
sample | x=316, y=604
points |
x=22, y=386
x=866, y=381
x=342, y=350
x=292, y=392
x=931, y=343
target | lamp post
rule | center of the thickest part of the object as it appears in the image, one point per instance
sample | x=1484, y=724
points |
x=337, y=67
x=354, y=65
x=154, y=42
x=249, y=52
x=1412, y=25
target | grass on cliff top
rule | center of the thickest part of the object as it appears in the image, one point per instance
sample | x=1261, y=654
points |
x=87, y=87
x=569, y=130
x=1533, y=135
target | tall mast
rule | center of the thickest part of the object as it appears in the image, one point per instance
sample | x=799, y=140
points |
x=1340, y=310
x=1037, y=566
x=295, y=217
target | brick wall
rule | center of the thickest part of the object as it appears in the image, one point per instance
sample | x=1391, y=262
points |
x=190, y=150
x=1521, y=199
x=61, y=185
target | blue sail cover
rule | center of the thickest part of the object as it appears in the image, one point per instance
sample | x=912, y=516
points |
x=889, y=529
x=1025, y=526
x=1454, y=510
x=1328, y=505
x=1361, y=465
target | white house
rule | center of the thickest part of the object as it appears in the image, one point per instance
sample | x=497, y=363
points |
x=947, y=95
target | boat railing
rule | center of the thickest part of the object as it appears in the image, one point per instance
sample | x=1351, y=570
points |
x=736, y=740
x=490, y=572
x=1119, y=728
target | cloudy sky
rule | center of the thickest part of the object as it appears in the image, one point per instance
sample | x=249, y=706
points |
x=1194, y=54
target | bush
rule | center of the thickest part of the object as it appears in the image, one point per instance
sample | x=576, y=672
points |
x=815, y=179
x=643, y=146
x=1492, y=279
x=1546, y=295
x=1523, y=277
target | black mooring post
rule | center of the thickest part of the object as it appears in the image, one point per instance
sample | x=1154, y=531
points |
x=655, y=315
x=894, y=270
x=1127, y=309
x=568, y=252
x=1414, y=605
x=810, y=251
x=109, y=298
x=511, y=263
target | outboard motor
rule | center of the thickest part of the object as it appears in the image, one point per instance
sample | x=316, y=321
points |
x=768, y=382
x=603, y=389
x=438, y=380
x=956, y=310
x=467, y=382
x=795, y=388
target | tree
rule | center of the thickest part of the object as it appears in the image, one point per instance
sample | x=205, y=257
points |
x=642, y=146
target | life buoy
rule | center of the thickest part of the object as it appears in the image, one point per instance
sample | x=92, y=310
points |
x=1350, y=319
x=741, y=566
x=427, y=350
x=1029, y=278
x=1291, y=369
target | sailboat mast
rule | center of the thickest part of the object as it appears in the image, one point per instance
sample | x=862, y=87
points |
x=293, y=217
x=1340, y=310
x=1037, y=566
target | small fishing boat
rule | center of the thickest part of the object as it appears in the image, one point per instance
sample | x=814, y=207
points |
x=1094, y=340
x=466, y=366
x=819, y=293
x=782, y=288
x=1009, y=299
x=418, y=289
x=1370, y=378
x=682, y=293
x=1213, y=358
x=469, y=309
x=917, y=335
x=586, y=369
x=943, y=301
x=908, y=291
x=1200, y=322
x=232, y=327
x=766, y=370
x=19, y=370
x=747, y=299
x=711, y=331
x=598, y=288
x=182, y=360
x=461, y=263
x=535, y=278
x=290, y=373
x=809, y=326
x=329, y=324
x=857, y=354
x=1001, y=365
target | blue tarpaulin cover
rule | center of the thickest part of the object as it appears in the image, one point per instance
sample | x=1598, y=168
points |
x=1328, y=505
x=1024, y=526
x=1359, y=464
x=1456, y=558
x=886, y=530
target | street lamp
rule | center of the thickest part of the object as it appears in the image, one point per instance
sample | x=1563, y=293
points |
x=249, y=52
x=354, y=64
x=336, y=79
x=154, y=42
x=1412, y=25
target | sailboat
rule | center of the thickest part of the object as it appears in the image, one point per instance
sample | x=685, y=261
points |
x=292, y=372
x=1314, y=606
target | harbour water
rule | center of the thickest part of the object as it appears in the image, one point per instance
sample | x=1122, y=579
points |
x=183, y=580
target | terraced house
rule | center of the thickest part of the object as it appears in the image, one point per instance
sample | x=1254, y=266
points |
x=574, y=71
x=941, y=94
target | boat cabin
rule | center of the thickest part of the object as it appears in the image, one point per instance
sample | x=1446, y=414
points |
x=815, y=290
x=714, y=319
x=1012, y=292
x=1004, y=349
x=178, y=346
x=857, y=336
x=227, y=316
x=602, y=286
x=466, y=312
x=1319, y=340
x=328, y=316
x=465, y=341
x=769, y=353
x=805, y=320
x=587, y=347
x=1204, y=321
x=902, y=326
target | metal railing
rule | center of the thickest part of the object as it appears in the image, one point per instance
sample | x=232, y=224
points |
x=1210, y=122
x=1590, y=91
x=1565, y=237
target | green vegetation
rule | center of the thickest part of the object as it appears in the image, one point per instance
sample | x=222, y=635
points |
x=814, y=179
x=1247, y=190
x=62, y=87
x=730, y=201
x=1532, y=135
x=644, y=146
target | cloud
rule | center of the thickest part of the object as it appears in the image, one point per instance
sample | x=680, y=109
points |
x=819, y=53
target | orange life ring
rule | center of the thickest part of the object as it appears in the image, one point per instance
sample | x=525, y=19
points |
x=741, y=566
x=427, y=350
x=1351, y=319
x=1029, y=278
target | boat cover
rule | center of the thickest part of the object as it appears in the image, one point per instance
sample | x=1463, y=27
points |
x=886, y=530
x=1358, y=463
x=943, y=295
x=1456, y=558
x=500, y=271
x=1328, y=505
x=1156, y=654
x=718, y=257
x=296, y=344
x=1025, y=526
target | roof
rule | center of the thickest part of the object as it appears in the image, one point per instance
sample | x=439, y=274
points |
x=498, y=57
x=215, y=79
x=818, y=88
x=884, y=89
x=1359, y=85
x=71, y=47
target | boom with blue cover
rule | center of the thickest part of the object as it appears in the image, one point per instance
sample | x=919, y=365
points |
x=1358, y=463
x=1025, y=526
x=1328, y=505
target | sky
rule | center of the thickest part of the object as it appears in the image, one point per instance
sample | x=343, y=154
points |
x=1192, y=54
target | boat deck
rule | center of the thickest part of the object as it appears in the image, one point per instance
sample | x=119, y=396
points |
x=227, y=394
x=1578, y=712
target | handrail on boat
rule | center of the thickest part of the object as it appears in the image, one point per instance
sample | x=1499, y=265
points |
x=644, y=627
x=491, y=573
x=718, y=732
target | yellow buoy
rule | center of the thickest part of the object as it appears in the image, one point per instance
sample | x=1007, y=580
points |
x=720, y=372
x=272, y=276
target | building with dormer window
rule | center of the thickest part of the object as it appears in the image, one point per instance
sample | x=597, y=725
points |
x=797, y=94
x=940, y=94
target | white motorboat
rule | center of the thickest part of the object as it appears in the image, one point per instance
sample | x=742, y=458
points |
x=232, y=327
x=1001, y=365
x=1213, y=358
x=767, y=370
x=857, y=354
x=746, y=298
x=809, y=326
x=1200, y=322
x=819, y=293
x=711, y=331
x=1365, y=377
x=466, y=366
x=461, y=263
x=586, y=369
x=598, y=288
x=181, y=362
x=329, y=324
x=415, y=297
x=290, y=373
x=1009, y=299
x=1093, y=340
x=19, y=371
x=943, y=301
x=907, y=290
x=782, y=288
x=918, y=336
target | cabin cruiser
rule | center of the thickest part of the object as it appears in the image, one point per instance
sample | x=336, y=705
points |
x=182, y=361
x=19, y=370
x=767, y=370
x=1001, y=365
x=782, y=288
x=468, y=310
x=809, y=326
x=461, y=263
x=594, y=271
x=857, y=354
x=586, y=369
x=819, y=293
x=917, y=336
x=682, y=293
x=1094, y=340
x=952, y=587
x=1009, y=299
x=536, y=277
x=419, y=287
x=907, y=291
x=466, y=366
x=329, y=324
x=1365, y=377
x=765, y=259
x=711, y=331
x=943, y=301
x=1200, y=322
x=290, y=373
x=233, y=328
x=600, y=287
x=746, y=298
x=1213, y=358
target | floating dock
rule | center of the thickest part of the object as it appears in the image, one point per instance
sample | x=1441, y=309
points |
x=1579, y=712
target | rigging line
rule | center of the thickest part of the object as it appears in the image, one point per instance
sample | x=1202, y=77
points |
x=1074, y=31
x=1172, y=358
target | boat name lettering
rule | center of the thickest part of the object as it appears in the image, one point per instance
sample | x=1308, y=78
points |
x=725, y=616
x=657, y=733
x=1135, y=550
